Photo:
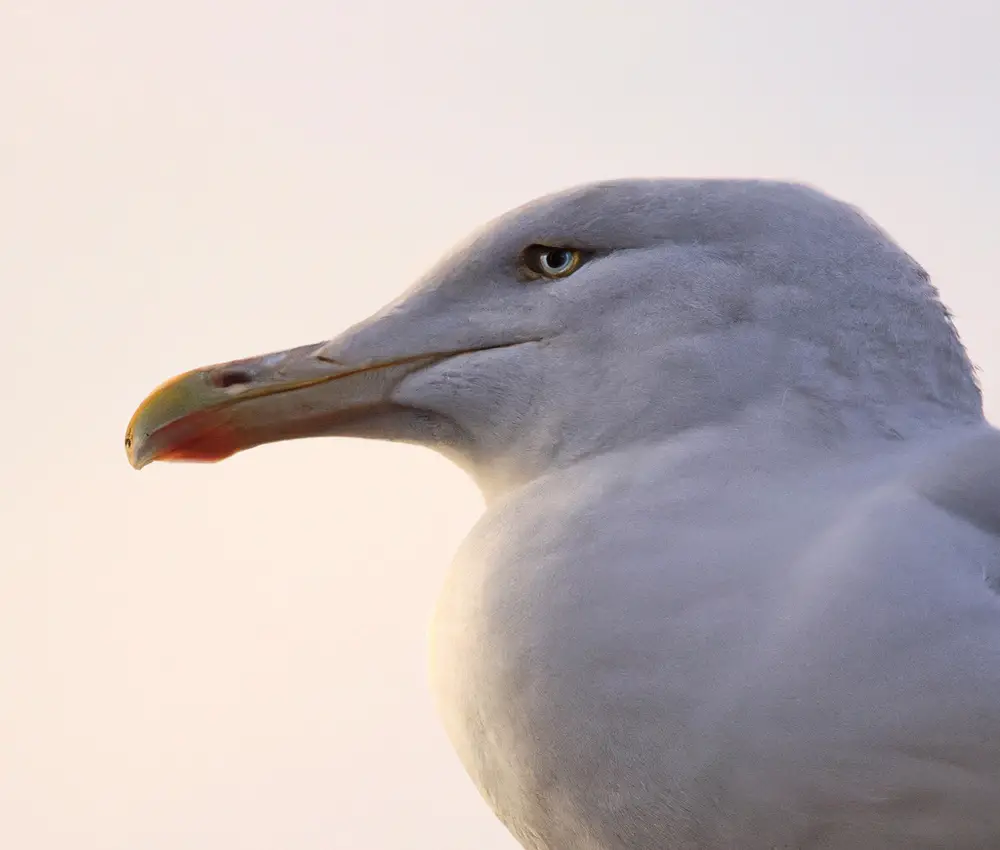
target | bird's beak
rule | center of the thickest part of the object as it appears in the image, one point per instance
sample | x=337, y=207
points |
x=211, y=413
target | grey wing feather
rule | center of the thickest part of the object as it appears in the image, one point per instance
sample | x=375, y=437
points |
x=965, y=482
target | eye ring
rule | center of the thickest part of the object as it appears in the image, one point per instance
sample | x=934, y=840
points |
x=551, y=262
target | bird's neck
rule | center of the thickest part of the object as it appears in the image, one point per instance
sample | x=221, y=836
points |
x=792, y=427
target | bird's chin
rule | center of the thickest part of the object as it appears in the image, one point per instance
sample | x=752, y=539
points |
x=403, y=424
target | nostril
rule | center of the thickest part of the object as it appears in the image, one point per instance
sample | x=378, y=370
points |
x=231, y=377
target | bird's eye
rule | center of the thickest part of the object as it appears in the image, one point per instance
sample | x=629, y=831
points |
x=545, y=261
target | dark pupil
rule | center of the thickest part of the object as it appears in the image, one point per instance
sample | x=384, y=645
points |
x=557, y=259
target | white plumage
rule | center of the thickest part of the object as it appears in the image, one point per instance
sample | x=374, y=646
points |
x=736, y=585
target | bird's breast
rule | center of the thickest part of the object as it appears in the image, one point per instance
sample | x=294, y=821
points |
x=574, y=662
x=620, y=677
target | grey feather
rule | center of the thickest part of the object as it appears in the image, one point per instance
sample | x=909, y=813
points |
x=965, y=481
x=735, y=583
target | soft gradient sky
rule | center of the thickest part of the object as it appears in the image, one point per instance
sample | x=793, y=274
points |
x=233, y=656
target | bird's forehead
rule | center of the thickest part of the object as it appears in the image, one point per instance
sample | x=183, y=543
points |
x=642, y=213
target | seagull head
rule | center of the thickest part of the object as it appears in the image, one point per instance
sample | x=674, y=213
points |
x=601, y=316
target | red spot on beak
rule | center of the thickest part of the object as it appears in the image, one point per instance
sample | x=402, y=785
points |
x=183, y=441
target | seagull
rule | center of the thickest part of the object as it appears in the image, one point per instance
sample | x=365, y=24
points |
x=737, y=582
